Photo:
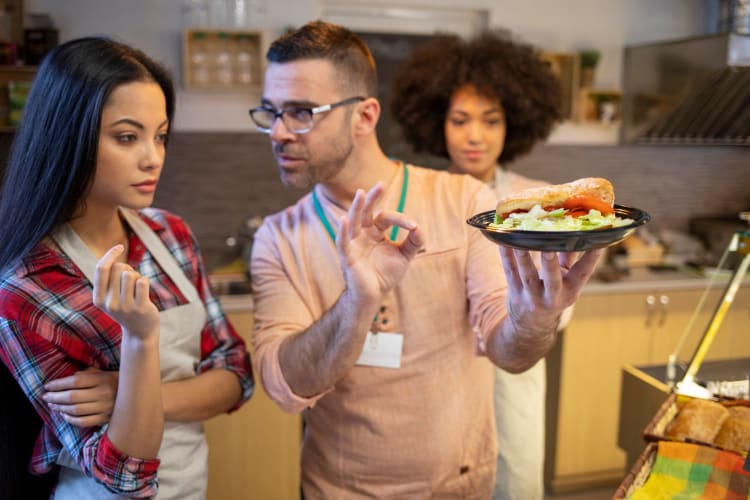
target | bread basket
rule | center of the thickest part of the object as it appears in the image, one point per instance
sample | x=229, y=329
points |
x=656, y=428
x=638, y=473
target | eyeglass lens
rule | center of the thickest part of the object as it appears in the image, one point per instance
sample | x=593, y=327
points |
x=295, y=119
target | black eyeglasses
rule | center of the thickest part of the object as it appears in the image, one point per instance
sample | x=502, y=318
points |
x=296, y=119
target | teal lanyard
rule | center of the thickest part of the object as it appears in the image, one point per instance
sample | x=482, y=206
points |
x=400, y=208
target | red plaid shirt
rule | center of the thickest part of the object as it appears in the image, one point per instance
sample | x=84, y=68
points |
x=50, y=328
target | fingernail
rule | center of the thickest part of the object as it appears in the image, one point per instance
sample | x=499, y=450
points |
x=548, y=255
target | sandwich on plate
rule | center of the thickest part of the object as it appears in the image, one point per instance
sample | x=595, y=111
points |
x=581, y=205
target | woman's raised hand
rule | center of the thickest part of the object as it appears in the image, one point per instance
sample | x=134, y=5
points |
x=123, y=293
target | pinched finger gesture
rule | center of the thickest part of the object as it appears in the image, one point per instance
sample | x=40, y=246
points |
x=372, y=263
x=123, y=293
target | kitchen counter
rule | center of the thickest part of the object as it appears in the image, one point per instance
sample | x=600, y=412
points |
x=637, y=280
x=643, y=279
x=236, y=303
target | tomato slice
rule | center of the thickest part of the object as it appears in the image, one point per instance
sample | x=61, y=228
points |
x=577, y=212
x=585, y=203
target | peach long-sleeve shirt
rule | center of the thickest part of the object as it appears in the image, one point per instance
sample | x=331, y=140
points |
x=425, y=429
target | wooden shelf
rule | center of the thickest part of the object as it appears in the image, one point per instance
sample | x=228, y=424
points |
x=212, y=41
x=591, y=105
x=585, y=133
x=13, y=69
x=9, y=73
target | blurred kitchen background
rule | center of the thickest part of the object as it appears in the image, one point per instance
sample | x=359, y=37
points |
x=657, y=100
x=220, y=173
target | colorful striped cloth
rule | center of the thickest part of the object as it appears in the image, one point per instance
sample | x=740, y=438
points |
x=685, y=471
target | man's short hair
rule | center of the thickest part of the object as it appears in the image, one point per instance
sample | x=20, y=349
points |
x=347, y=52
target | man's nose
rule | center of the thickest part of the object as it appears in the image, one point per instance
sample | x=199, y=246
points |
x=279, y=132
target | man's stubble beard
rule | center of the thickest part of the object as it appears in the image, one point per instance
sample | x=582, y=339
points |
x=323, y=169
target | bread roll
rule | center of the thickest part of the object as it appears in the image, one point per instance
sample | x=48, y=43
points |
x=734, y=434
x=556, y=195
x=699, y=420
x=740, y=411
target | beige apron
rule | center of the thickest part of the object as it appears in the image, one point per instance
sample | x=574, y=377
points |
x=183, y=472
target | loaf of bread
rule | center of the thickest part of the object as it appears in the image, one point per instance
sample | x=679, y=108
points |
x=734, y=434
x=740, y=411
x=593, y=188
x=698, y=420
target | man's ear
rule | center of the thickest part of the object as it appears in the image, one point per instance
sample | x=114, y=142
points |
x=365, y=118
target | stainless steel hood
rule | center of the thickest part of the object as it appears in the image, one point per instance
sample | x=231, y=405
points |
x=688, y=91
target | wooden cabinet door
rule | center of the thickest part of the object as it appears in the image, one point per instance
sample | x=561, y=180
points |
x=738, y=323
x=678, y=318
x=606, y=332
x=254, y=452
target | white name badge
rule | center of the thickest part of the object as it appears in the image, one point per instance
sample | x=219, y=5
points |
x=382, y=349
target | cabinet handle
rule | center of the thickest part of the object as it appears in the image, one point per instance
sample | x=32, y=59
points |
x=663, y=302
x=650, y=306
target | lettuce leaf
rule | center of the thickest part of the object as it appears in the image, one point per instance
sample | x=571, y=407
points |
x=538, y=219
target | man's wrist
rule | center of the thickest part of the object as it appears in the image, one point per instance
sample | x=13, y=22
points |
x=530, y=325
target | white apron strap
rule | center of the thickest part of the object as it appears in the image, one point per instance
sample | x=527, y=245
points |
x=161, y=254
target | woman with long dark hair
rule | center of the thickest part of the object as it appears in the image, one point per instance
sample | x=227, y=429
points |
x=107, y=322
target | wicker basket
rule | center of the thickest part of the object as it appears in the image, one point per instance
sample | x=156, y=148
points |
x=638, y=474
x=656, y=428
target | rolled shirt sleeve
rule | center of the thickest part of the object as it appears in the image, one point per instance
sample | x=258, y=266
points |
x=109, y=462
x=33, y=361
x=279, y=313
x=485, y=278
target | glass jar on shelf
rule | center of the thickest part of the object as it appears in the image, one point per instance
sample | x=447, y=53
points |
x=223, y=60
x=244, y=60
x=200, y=71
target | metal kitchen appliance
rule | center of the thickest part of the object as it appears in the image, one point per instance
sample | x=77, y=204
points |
x=688, y=91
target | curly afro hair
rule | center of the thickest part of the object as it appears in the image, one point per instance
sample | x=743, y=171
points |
x=500, y=68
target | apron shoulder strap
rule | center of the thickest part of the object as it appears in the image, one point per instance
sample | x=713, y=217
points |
x=161, y=254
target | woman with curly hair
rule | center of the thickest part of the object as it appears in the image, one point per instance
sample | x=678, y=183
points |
x=482, y=103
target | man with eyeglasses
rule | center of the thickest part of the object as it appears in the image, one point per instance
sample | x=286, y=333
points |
x=378, y=310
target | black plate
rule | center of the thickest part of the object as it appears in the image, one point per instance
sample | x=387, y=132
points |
x=561, y=241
